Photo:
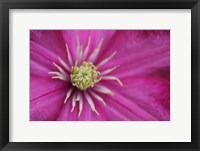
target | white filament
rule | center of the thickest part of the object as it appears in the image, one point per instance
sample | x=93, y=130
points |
x=73, y=102
x=80, y=53
x=64, y=64
x=78, y=47
x=102, y=89
x=68, y=94
x=96, y=51
x=69, y=56
x=56, y=73
x=112, y=78
x=91, y=103
x=80, y=105
x=106, y=60
x=109, y=70
x=60, y=77
x=97, y=97
x=87, y=48
x=59, y=68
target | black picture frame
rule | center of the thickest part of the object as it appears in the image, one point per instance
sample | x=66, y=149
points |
x=5, y=5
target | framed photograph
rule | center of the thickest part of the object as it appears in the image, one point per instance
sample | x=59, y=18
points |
x=103, y=75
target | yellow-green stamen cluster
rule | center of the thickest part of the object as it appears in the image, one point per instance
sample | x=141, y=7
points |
x=84, y=76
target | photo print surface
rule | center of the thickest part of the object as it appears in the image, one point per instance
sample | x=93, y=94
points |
x=99, y=75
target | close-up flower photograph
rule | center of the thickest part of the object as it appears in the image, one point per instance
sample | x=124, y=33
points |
x=99, y=75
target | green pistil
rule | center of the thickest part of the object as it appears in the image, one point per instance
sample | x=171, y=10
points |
x=84, y=76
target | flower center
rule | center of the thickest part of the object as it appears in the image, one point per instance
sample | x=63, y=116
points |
x=84, y=76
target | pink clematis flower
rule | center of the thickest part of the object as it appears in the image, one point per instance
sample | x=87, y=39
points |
x=100, y=75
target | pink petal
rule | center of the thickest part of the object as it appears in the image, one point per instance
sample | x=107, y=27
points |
x=40, y=81
x=40, y=66
x=48, y=106
x=41, y=61
x=116, y=111
x=138, y=52
x=51, y=40
x=40, y=86
x=148, y=97
x=66, y=114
